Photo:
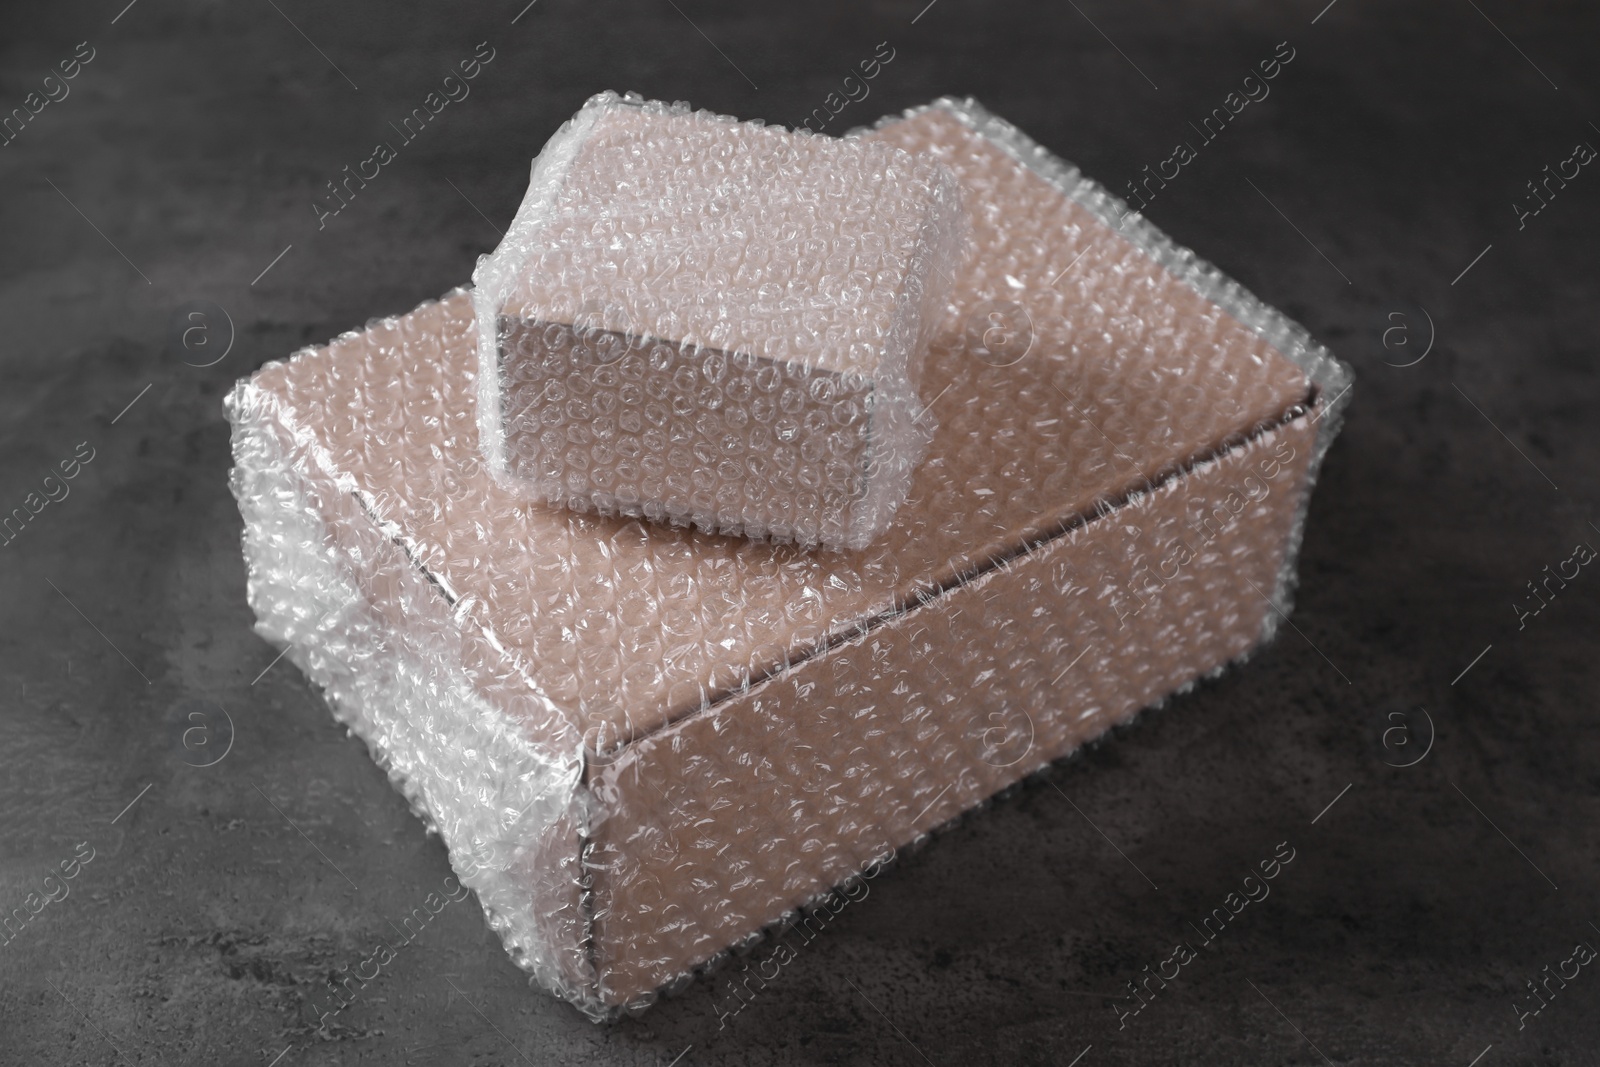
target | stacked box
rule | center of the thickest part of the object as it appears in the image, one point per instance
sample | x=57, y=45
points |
x=643, y=745
x=719, y=323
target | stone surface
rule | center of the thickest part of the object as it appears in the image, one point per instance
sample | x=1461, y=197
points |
x=1397, y=139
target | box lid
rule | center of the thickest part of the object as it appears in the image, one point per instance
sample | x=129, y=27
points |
x=692, y=227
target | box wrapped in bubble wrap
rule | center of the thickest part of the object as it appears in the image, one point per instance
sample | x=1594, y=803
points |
x=700, y=320
x=642, y=744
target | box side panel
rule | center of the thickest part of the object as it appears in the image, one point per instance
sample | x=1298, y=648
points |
x=605, y=420
x=365, y=624
x=725, y=821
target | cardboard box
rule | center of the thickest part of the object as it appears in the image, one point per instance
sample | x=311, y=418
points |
x=643, y=745
x=712, y=322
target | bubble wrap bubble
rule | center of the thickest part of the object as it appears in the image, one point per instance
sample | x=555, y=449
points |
x=700, y=320
x=643, y=745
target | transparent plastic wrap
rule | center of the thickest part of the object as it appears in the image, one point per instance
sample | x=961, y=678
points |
x=644, y=745
x=720, y=323
x=1060, y=304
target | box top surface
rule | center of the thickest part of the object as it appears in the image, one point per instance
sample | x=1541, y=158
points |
x=1127, y=376
x=687, y=226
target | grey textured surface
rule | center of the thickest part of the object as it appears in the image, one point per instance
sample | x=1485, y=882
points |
x=1397, y=141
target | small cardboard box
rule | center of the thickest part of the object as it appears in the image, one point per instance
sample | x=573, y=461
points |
x=711, y=322
x=643, y=745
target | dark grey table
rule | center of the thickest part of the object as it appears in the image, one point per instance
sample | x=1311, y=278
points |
x=1379, y=194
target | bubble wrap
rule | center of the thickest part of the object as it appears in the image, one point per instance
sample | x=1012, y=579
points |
x=700, y=320
x=644, y=745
